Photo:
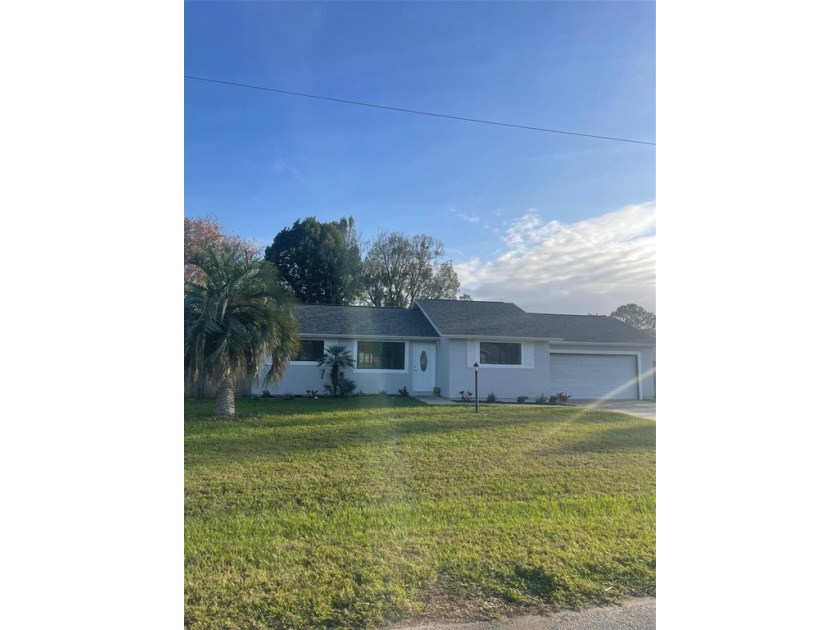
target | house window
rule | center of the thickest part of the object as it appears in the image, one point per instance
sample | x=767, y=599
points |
x=493, y=353
x=310, y=350
x=380, y=355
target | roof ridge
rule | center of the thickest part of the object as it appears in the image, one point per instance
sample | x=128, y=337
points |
x=464, y=301
x=378, y=308
x=569, y=314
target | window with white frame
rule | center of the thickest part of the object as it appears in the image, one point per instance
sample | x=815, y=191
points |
x=310, y=350
x=380, y=355
x=496, y=353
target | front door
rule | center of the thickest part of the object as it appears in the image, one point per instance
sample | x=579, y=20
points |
x=424, y=367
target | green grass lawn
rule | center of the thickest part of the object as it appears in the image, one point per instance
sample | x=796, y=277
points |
x=354, y=513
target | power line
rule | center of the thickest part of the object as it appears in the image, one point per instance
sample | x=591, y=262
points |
x=415, y=111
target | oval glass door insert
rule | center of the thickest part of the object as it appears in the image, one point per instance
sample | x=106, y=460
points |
x=424, y=361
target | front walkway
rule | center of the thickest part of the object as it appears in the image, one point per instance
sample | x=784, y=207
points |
x=435, y=400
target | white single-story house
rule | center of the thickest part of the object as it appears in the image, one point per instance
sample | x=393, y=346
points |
x=436, y=343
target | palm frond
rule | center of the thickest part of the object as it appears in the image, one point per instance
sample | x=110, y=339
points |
x=235, y=316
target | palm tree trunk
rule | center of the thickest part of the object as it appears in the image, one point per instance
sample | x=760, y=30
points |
x=225, y=405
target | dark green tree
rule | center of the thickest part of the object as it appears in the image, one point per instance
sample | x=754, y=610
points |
x=238, y=319
x=635, y=316
x=319, y=262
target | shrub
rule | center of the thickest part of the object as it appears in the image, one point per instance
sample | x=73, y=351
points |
x=436, y=391
x=312, y=393
x=491, y=397
x=266, y=394
x=466, y=396
x=563, y=397
x=541, y=400
x=552, y=400
x=403, y=390
x=521, y=399
x=344, y=387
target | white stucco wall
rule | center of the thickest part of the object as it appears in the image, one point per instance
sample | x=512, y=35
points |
x=302, y=376
x=507, y=382
x=454, y=371
x=443, y=367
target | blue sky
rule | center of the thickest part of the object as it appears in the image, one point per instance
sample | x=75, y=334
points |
x=555, y=223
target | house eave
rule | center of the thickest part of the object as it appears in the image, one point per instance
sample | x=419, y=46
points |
x=498, y=337
x=372, y=337
x=637, y=344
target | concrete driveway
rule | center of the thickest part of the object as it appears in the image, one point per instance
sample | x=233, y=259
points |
x=640, y=408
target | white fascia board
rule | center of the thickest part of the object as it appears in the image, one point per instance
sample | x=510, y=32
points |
x=491, y=338
x=365, y=337
x=604, y=343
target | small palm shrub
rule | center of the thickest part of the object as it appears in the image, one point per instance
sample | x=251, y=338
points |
x=466, y=396
x=491, y=397
x=541, y=400
x=521, y=399
x=335, y=358
x=343, y=387
x=346, y=386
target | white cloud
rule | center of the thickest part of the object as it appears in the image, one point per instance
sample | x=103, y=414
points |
x=469, y=218
x=280, y=165
x=593, y=266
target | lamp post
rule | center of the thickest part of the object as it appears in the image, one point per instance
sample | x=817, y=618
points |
x=475, y=367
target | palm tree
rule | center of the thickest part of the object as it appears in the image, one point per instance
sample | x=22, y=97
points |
x=238, y=318
x=335, y=358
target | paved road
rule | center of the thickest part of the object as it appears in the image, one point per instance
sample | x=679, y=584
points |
x=634, y=614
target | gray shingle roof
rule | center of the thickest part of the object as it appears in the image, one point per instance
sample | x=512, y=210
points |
x=456, y=318
x=479, y=319
x=320, y=319
x=594, y=328
x=503, y=319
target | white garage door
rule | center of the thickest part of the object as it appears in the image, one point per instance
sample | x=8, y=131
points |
x=582, y=376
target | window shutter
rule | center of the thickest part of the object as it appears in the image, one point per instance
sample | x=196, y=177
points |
x=528, y=354
x=472, y=352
